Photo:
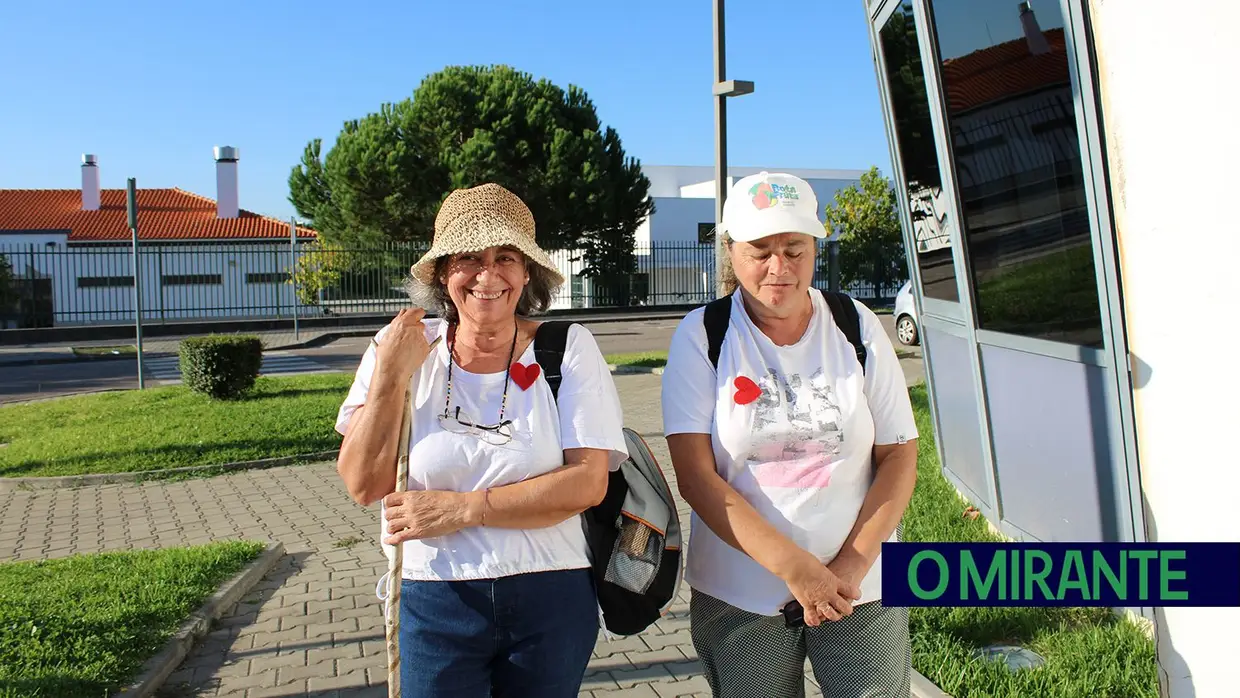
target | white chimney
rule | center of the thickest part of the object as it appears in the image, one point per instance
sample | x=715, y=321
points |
x=90, y=183
x=226, y=200
x=1033, y=33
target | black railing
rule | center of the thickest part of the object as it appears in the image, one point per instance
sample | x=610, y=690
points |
x=54, y=285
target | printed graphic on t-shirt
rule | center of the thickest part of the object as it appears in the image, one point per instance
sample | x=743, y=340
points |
x=796, y=431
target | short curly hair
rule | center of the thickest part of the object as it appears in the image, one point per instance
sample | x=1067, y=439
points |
x=433, y=296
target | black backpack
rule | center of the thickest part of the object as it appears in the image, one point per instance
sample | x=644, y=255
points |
x=634, y=535
x=719, y=312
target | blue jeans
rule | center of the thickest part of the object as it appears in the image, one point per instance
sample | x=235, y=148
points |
x=525, y=635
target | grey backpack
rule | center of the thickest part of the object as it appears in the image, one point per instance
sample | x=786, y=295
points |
x=634, y=534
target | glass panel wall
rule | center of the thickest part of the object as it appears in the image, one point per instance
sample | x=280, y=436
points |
x=1008, y=96
x=910, y=109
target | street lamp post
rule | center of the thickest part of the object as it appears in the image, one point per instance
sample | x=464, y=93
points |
x=723, y=88
x=833, y=262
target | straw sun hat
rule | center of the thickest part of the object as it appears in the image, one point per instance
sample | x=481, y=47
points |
x=471, y=220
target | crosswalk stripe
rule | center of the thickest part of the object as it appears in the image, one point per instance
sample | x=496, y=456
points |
x=168, y=368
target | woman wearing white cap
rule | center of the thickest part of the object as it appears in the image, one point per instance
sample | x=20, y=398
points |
x=496, y=597
x=797, y=460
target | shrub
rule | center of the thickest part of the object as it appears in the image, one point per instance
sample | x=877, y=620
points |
x=222, y=366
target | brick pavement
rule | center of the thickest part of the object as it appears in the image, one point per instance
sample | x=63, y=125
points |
x=313, y=626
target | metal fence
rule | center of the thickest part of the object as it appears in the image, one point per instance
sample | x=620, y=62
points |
x=54, y=285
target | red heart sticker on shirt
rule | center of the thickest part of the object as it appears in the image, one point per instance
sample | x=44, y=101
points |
x=523, y=375
x=746, y=390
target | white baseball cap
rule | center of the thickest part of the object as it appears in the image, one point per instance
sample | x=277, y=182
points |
x=770, y=203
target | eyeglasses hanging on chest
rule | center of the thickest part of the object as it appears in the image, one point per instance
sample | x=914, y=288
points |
x=457, y=421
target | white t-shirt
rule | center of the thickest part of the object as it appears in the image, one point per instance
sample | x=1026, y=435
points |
x=589, y=416
x=800, y=453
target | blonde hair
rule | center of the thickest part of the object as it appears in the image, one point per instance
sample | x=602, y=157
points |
x=725, y=275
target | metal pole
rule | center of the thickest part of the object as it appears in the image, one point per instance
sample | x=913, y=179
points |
x=833, y=263
x=721, y=139
x=32, y=312
x=292, y=275
x=132, y=206
x=163, y=317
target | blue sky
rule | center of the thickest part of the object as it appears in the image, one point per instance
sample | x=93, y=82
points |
x=151, y=87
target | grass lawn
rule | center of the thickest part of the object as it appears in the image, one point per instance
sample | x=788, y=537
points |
x=170, y=427
x=649, y=359
x=83, y=626
x=1088, y=651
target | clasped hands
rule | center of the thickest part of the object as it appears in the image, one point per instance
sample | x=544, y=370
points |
x=827, y=592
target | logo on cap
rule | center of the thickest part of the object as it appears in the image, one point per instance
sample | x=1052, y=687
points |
x=766, y=195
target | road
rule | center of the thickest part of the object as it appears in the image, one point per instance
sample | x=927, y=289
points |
x=25, y=383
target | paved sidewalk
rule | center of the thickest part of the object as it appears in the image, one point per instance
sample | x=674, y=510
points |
x=313, y=626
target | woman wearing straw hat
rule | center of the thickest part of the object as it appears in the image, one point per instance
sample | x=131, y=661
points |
x=496, y=595
x=797, y=459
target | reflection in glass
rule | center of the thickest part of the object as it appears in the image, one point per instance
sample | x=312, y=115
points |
x=1009, y=102
x=918, y=155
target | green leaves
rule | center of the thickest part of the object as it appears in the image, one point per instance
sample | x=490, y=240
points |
x=871, y=245
x=387, y=173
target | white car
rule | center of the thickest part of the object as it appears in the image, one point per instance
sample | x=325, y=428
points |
x=905, y=314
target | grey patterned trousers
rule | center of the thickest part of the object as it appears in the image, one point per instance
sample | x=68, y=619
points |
x=745, y=655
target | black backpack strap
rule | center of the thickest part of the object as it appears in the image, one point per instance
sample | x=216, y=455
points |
x=718, y=314
x=849, y=320
x=550, y=339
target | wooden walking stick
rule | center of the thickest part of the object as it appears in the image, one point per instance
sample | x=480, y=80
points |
x=395, y=573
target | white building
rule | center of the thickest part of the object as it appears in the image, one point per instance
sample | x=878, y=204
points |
x=675, y=245
x=72, y=256
x=71, y=253
x=684, y=198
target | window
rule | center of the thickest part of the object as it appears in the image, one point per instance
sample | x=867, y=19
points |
x=192, y=280
x=1009, y=102
x=706, y=233
x=267, y=277
x=105, y=281
x=910, y=110
x=577, y=291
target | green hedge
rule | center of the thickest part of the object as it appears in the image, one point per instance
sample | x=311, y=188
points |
x=224, y=367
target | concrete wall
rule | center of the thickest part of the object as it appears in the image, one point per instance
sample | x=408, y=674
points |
x=1171, y=237
x=676, y=220
x=25, y=241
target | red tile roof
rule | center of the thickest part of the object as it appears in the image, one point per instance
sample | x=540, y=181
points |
x=163, y=214
x=1002, y=71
